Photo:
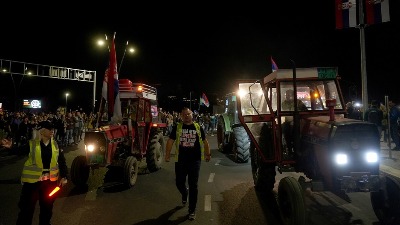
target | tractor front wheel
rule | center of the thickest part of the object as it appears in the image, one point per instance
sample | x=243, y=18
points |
x=131, y=171
x=291, y=202
x=80, y=171
x=386, y=202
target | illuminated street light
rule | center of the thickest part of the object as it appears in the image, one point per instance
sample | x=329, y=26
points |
x=100, y=42
x=66, y=102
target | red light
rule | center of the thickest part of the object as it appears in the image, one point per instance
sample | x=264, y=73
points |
x=54, y=191
x=155, y=125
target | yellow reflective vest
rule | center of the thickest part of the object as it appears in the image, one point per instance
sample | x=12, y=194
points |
x=178, y=136
x=33, y=167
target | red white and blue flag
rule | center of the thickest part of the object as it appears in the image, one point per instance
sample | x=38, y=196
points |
x=346, y=13
x=273, y=65
x=110, y=90
x=376, y=11
x=204, y=100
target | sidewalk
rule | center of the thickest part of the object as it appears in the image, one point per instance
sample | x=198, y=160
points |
x=390, y=160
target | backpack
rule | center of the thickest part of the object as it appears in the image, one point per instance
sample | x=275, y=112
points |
x=373, y=116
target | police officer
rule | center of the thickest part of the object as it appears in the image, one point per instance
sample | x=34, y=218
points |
x=44, y=170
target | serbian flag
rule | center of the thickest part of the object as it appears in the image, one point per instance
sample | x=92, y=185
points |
x=376, y=11
x=346, y=13
x=204, y=100
x=104, y=92
x=114, y=103
x=273, y=65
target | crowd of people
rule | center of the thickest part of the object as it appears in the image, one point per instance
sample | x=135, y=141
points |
x=207, y=121
x=387, y=119
x=68, y=129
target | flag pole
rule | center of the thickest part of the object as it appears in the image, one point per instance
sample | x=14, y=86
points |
x=361, y=26
x=190, y=96
x=123, y=56
x=199, y=104
x=102, y=101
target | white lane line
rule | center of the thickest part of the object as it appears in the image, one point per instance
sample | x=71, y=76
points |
x=390, y=170
x=207, y=203
x=217, y=163
x=211, y=177
x=91, y=195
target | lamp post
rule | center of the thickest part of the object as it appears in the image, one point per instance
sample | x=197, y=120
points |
x=66, y=102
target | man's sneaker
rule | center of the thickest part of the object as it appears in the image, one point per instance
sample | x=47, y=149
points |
x=192, y=216
x=184, y=197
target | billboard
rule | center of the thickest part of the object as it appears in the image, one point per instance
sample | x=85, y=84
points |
x=31, y=104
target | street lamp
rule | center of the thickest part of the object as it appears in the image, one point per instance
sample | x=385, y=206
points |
x=66, y=102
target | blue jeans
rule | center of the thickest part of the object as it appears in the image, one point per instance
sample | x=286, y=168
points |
x=394, y=133
x=191, y=170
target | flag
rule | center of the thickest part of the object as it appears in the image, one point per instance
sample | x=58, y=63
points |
x=346, y=13
x=376, y=11
x=104, y=92
x=113, y=100
x=204, y=100
x=273, y=64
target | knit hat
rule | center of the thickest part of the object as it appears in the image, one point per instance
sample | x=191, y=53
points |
x=45, y=124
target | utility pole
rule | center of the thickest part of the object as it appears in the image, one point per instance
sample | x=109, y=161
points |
x=364, y=84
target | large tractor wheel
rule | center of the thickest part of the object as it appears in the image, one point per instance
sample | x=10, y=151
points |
x=263, y=173
x=291, y=202
x=80, y=171
x=131, y=171
x=241, y=145
x=224, y=144
x=386, y=202
x=155, y=152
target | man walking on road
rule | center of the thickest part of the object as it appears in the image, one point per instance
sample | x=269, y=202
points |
x=191, y=147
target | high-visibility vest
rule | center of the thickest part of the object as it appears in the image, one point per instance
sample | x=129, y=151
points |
x=178, y=136
x=33, y=167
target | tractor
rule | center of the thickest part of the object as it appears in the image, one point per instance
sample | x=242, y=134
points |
x=137, y=139
x=231, y=135
x=313, y=138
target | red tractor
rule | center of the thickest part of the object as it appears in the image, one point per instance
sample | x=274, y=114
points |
x=295, y=120
x=137, y=139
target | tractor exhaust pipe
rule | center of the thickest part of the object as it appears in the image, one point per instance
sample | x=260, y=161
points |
x=331, y=103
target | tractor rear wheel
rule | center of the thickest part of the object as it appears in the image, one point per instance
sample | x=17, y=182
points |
x=80, y=171
x=263, y=173
x=131, y=171
x=155, y=152
x=291, y=202
x=241, y=145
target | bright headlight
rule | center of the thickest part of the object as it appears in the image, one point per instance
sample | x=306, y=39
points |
x=89, y=148
x=341, y=159
x=371, y=157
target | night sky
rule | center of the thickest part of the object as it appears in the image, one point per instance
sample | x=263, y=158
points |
x=182, y=49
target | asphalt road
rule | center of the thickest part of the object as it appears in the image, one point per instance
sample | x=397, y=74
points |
x=226, y=196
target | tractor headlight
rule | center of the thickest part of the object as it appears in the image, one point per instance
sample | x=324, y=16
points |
x=341, y=159
x=371, y=157
x=89, y=148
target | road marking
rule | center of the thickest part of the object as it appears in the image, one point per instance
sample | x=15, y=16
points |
x=211, y=177
x=217, y=163
x=390, y=170
x=207, y=203
x=91, y=195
